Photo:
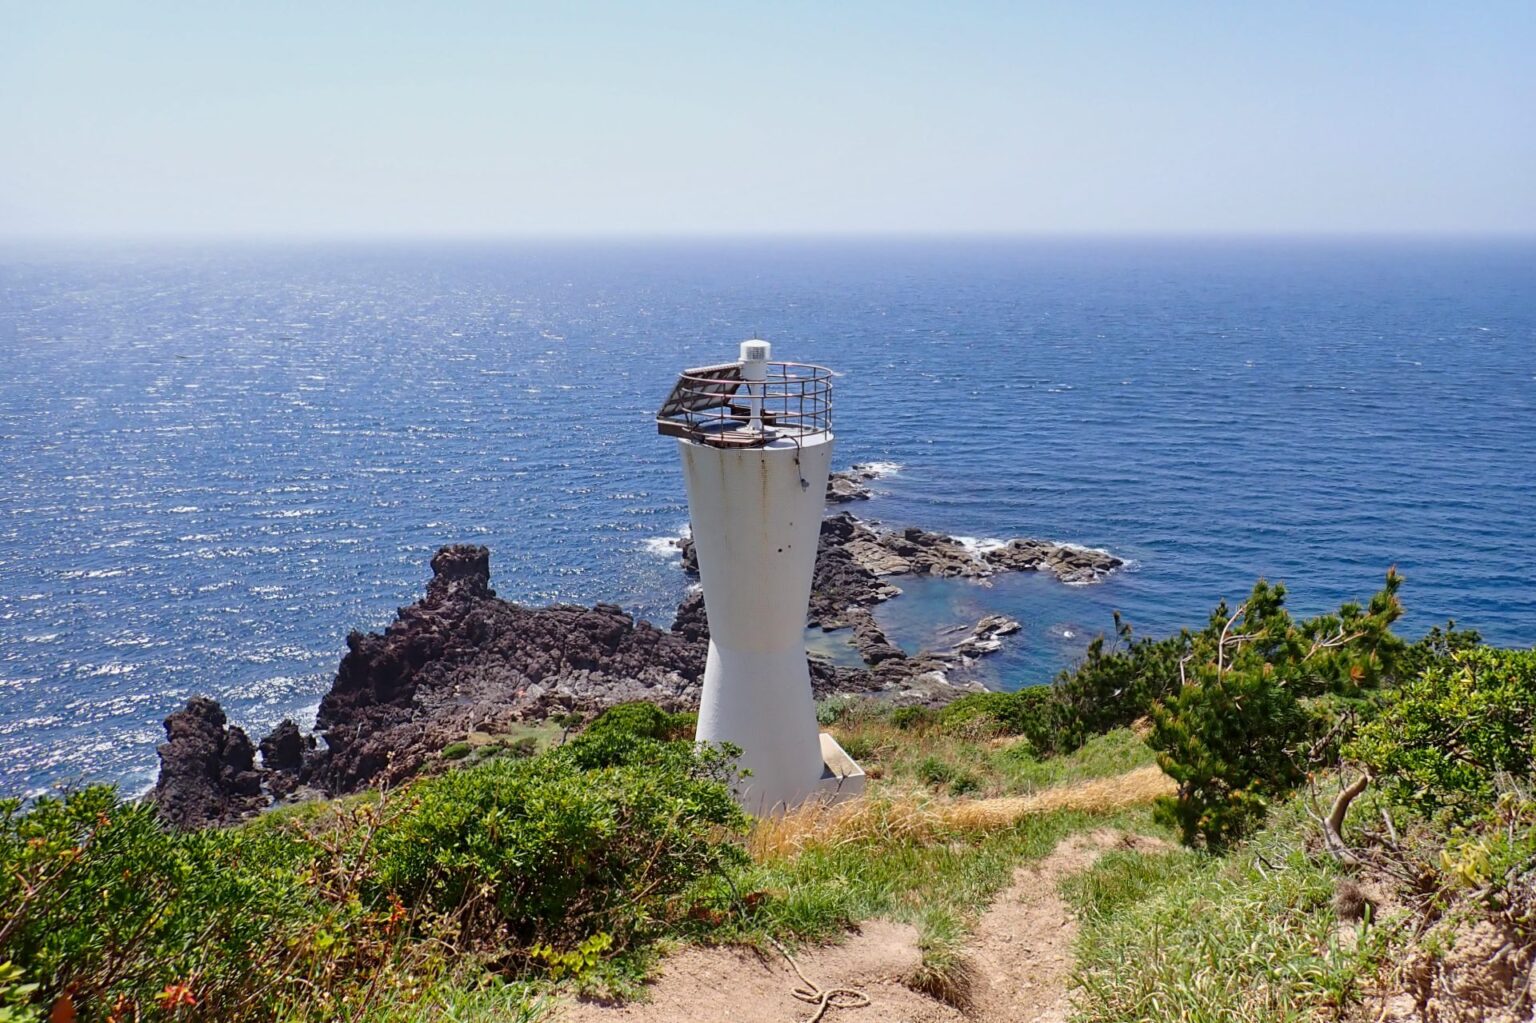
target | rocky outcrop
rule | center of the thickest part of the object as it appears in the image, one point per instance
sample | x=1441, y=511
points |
x=462, y=661
x=287, y=755
x=207, y=769
x=914, y=551
x=855, y=563
x=1068, y=562
x=851, y=484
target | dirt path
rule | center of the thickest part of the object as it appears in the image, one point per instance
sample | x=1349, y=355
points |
x=1022, y=952
x=737, y=986
x=1022, y=949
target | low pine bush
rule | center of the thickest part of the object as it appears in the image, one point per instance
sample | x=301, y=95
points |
x=1234, y=733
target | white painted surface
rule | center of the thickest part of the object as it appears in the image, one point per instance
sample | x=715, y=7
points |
x=756, y=515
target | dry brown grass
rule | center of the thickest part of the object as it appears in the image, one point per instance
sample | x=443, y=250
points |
x=920, y=816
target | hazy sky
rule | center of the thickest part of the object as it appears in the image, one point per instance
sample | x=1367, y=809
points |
x=146, y=117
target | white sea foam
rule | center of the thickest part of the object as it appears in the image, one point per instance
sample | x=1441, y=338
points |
x=879, y=470
x=979, y=545
x=113, y=668
x=667, y=546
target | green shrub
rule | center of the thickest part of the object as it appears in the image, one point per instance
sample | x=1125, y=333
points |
x=593, y=837
x=910, y=719
x=16, y=996
x=934, y=771
x=629, y=733
x=522, y=748
x=963, y=783
x=1115, y=686
x=457, y=750
x=1234, y=733
x=642, y=720
x=1436, y=647
x=1443, y=739
x=834, y=709
x=1031, y=713
x=362, y=899
x=97, y=899
x=939, y=773
x=991, y=706
x=861, y=747
x=1228, y=740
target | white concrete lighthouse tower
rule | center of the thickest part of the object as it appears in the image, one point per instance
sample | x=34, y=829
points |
x=756, y=443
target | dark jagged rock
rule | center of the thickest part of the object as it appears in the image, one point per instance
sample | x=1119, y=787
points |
x=841, y=581
x=284, y=748
x=207, y=769
x=287, y=754
x=913, y=551
x=461, y=570
x=1069, y=563
x=691, y=622
x=462, y=660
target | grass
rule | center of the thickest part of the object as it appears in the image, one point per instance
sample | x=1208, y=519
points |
x=1195, y=938
x=971, y=758
x=913, y=851
x=946, y=971
x=463, y=997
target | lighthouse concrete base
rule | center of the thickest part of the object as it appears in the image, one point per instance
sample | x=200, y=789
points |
x=841, y=778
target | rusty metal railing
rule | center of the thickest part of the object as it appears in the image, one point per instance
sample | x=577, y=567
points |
x=715, y=406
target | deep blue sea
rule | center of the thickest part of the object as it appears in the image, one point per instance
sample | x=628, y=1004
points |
x=217, y=461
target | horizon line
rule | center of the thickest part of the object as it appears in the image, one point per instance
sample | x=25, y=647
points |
x=544, y=237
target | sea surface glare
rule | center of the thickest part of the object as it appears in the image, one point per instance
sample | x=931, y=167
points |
x=217, y=462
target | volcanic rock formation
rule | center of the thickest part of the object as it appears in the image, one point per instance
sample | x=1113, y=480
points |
x=207, y=769
x=462, y=661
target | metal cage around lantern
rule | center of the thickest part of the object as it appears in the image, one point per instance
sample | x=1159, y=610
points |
x=716, y=405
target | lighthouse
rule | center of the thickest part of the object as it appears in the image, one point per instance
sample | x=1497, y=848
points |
x=755, y=439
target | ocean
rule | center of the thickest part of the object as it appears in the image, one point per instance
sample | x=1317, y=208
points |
x=217, y=461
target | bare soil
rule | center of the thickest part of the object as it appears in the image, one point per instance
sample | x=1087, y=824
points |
x=1022, y=955
x=1023, y=945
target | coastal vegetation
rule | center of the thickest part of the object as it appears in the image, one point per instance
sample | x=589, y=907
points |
x=1355, y=810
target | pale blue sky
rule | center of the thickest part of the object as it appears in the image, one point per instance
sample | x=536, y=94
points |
x=321, y=119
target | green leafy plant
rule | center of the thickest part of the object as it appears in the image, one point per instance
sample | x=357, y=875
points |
x=1444, y=738
x=17, y=996
x=592, y=837
x=577, y=963
x=910, y=719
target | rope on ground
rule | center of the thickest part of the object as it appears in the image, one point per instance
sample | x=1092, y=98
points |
x=811, y=994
